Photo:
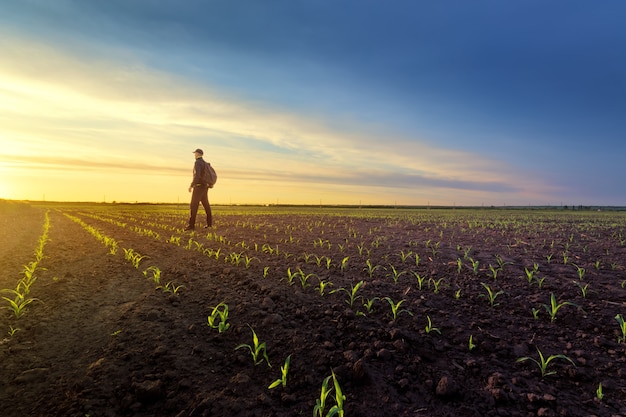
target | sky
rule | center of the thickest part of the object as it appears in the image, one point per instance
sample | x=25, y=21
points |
x=360, y=102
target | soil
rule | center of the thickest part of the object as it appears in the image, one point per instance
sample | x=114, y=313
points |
x=102, y=340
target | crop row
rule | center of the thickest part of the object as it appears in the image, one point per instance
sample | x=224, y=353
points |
x=19, y=298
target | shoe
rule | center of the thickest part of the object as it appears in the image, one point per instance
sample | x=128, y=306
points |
x=189, y=228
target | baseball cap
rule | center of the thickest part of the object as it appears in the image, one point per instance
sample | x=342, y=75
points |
x=199, y=151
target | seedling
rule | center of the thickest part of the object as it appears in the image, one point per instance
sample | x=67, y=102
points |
x=352, y=297
x=580, y=271
x=371, y=268
x=599, y=393
x=395, y=308
x=429, y=327
x=156, y=273
x=13, y=330
x=583, y=288
x=256, y=349
x=320, y=403
x=554, y=307
x=471, y=344
x=395, y=274
x=220, y=312
x=436, y=284
x=283, y=371
x=543, y=362
x=369, y=304
x=420, y=280
x=321, y=288
x=491, y=295
x=622, y=327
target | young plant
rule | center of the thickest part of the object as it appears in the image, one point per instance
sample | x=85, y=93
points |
x=471, y=344
x=622, y=327
x=420, y=280
x=371, y=268
x=283, y=371
x=352, y=297
x=436, y=284
x=320, y=403
x=220, y=312
x=429, y=327
x=321, y=288
x=554, y=307
x=543, y=362
x=491, y=295
x=395, y=274
x=599, y=393
x=256, y=349
x=395, y=308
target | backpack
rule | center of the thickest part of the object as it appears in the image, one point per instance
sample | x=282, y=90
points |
x=208, y=175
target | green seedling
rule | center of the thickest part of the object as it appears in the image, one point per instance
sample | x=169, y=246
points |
x=321, y=287
x=266, y=270
x=583, y=288
x=459, y=265
x=369, y=304
x=256, y=349
x=405, y=255
x=420, y=280
x=543, y=362
x=429, y=327
x=580, y=271
x=370, y=268
x=475, y=265
x=320, y=403
x=220, y=312
x=494, y=271
x=457, y=294
x=535, y=312
x=554, y=307
x=344, y=264
x=395, y=274
x=156, y=273
x=599, y=393
x=471, y=344
x=291, y=275
x=13, y=330
x=491, y=295
x=436, y=284
x=622, y=327
x=395, y=308
x=352, y=297
x=283, y=378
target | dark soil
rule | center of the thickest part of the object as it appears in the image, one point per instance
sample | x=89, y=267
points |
x=102, y=340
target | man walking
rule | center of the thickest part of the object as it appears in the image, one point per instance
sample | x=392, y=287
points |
x=200, y=190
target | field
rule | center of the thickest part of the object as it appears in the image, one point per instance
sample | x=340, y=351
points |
x=114, y=310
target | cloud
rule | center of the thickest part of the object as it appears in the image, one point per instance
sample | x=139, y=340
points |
x=97, y=112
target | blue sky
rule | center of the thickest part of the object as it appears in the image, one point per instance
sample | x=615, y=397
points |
x=340, y=102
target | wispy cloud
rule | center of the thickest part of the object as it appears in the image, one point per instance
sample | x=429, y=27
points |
x=100, y=113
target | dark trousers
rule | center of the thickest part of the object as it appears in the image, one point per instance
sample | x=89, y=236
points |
x=200, y=195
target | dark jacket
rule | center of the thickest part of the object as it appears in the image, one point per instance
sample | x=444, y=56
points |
x=198, y=171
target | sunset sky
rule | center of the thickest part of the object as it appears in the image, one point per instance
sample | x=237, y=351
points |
x=315, y=101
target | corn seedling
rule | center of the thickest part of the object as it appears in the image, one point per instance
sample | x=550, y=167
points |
x=554, y=307
x=535, y=312
x=369, y=304
x=429, y=327
x=580, y=271
x=304, y=278
x=475, y=265
x=291, y=275
x=494, y=271
x=599, y=393
x=352, y=297
x=370, y=268
x=12, y=330
x=622, y=327
x=471, y=344
x=583, y=288
x=156, y=274
x=405, y=255
x=344, y=264
x=543, y=362
x=420, y=280
x=256, y=349
x=220, y=312
x=459, y=265
x=266, y=270
x=321, y=287
x=19, y=304
x=395, y=308
x=320, y=403
x=436, y=284
x=491, y=295
x=283, y=372
x=395, y=274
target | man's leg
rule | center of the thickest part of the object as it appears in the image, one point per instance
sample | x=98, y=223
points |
x=193, y=206
x=207, y=207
